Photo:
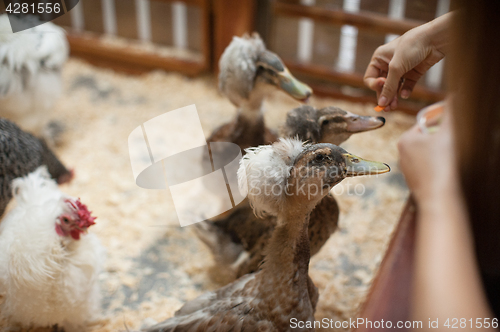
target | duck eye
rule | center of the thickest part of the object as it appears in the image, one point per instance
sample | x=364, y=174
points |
x=320, y=157
x=327, y=121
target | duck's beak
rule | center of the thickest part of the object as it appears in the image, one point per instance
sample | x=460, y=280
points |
x=357, y=123
x=357, y=166
x=293, y=86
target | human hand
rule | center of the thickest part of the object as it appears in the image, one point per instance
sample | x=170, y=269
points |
x=428, y=162
x=399, y=64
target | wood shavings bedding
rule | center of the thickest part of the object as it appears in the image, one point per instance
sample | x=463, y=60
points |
x=154, y=265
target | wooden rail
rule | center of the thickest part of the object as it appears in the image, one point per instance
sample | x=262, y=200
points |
x=356, y=80
x=323, y=90
x=362, y=20
x=127, y=59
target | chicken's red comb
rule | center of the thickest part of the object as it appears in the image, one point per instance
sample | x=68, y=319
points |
x=84, y=215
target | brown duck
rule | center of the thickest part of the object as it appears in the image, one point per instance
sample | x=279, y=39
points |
x=268, y=299
x=249, y=73
x=239, y=239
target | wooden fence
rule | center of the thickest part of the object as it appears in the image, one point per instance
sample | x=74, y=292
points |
x=327, y=43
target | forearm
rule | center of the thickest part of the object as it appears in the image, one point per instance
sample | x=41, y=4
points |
x=447, y=283
x=437, y=32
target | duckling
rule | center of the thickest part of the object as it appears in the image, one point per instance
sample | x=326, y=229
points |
x=239, y=239
x=282, y=289
x=248, y=73
x=327, y=125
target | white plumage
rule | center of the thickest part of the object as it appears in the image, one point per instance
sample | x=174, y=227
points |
x=238, y=67
x=30, y=71
x=263, y=172
x=47, y=278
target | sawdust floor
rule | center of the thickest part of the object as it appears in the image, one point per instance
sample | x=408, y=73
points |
x=153, y=264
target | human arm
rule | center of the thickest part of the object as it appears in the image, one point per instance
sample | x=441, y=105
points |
x=408, y=56
x=446, y=280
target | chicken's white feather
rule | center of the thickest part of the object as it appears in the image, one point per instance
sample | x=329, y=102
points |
x=30, y=70
x=46, y=279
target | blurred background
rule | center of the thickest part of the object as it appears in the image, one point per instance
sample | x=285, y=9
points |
x=327, y=43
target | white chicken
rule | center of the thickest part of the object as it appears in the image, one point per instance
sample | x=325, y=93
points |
x=30, y=72
x=49, y=265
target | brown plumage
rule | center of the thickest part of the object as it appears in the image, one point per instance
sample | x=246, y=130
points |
x=244, y=132
x=266, y=300
x=239, y=239
x=257, y=232
x=248, y=73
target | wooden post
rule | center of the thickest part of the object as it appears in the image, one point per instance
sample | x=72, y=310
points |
x=231, y=18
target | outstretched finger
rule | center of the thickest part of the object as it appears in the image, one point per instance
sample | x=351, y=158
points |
x=391, y=85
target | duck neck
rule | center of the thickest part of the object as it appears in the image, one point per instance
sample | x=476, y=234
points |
x=252, y=107
x=288, y=251
x=251, y=111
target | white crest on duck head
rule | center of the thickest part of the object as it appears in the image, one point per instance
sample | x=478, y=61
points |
x=237, y=66
x=264, y=171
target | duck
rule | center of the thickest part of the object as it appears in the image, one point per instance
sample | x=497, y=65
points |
x=281, y=290
x=238, y=240
x=248, y=73
x=327, y=125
